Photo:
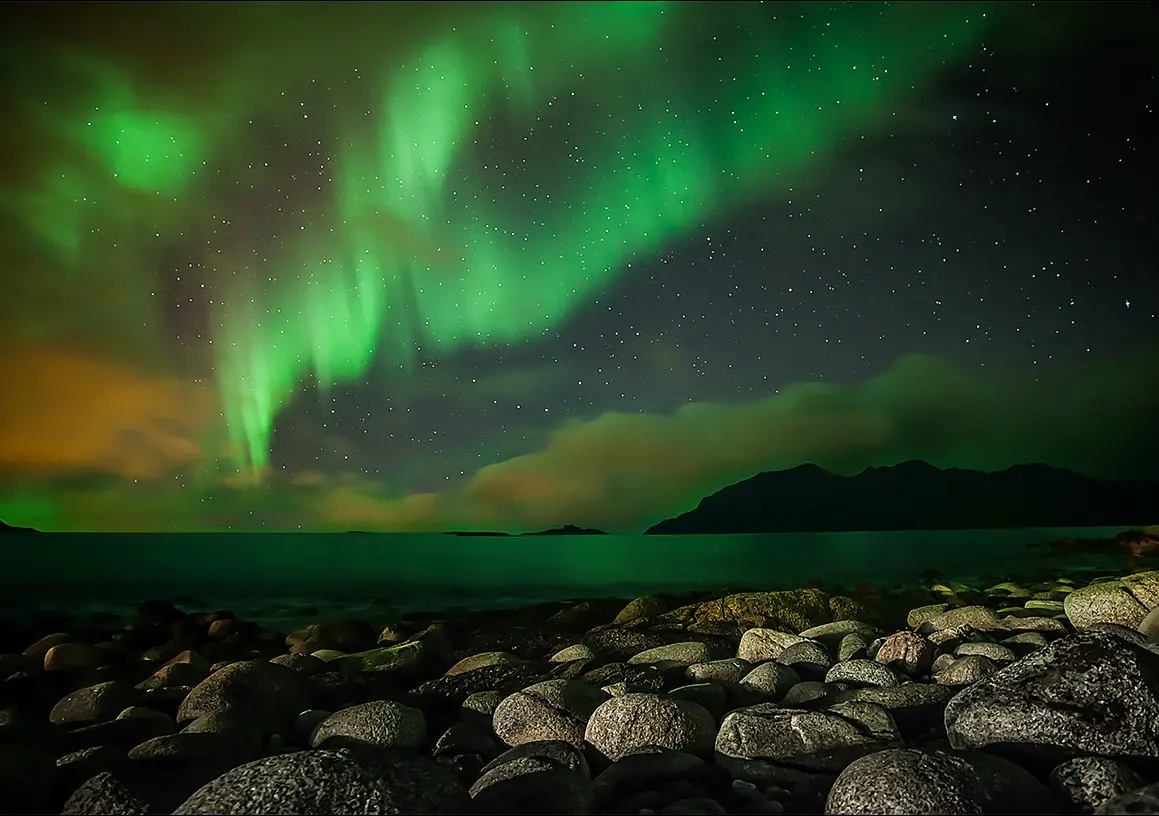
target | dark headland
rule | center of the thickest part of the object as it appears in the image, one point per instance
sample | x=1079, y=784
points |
x=916, y=496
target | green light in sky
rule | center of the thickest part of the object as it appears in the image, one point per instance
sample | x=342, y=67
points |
x=146, y=150
x=427, y=249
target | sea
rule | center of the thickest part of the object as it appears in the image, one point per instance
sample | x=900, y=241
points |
x=286, y=579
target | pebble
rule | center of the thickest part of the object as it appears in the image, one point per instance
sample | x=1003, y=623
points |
x=1021, y=697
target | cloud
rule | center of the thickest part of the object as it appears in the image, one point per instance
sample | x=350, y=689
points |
x=67, y=411
x=66, y=427
x=625, y=471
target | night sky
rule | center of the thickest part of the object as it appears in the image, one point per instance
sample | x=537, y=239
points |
x=506, y=266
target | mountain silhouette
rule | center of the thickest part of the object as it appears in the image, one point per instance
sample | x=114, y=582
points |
x=915, y=495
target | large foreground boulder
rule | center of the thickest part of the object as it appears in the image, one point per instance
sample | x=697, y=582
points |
x=1085, y=694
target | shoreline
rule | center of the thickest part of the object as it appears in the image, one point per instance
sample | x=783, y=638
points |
x=802, y=700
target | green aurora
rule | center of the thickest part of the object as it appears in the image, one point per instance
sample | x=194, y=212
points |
x=417, y=255
x=461, y=269
x=443, y=221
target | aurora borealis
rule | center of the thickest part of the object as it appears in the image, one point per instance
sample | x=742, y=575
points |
x=514, y=265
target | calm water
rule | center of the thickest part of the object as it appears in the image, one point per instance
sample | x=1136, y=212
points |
x=271, y=575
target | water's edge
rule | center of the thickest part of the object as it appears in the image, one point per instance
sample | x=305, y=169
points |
x=71, y=572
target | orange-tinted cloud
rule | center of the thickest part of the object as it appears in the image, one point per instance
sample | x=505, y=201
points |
x=67, y=411
x=359, y=507
x=627, y=471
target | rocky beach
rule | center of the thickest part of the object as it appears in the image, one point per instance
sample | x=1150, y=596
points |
x=933, y=697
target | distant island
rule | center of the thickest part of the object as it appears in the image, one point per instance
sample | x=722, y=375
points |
x=567, y=529
x=8, y=528
x=481, y=533
x=916, y=496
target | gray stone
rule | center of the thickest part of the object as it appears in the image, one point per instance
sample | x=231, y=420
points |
x=625, y=723
x=381, y=724
x=906, y=651
x=1085, y=693
x=332, y=782
x=818, y=740
x=577, y=651
x=480, y=660
x=981, y=618
x=807, y=658
x=922, y=614
x=710, y=695
x=862, y=673
x=830, y=634
x=771, y=680
x=853, y=647
x=646, y=606
x=719, y=671
x=190, y=748
x=1084, y=784
x=1141, y=800
x=804, y=692
x=93, y=704
x=907, y=780
x=551, y=710
x=687, y=653
x=483, y=702
x=273, y=695
x=647, y=771
x=558, y=751
x=965, y=671
x=1108, y=602
x=105, y=794
x=532, y=785
x=758, y=645
x=993, y=651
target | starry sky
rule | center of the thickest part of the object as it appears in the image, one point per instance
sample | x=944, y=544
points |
x=506, y=266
